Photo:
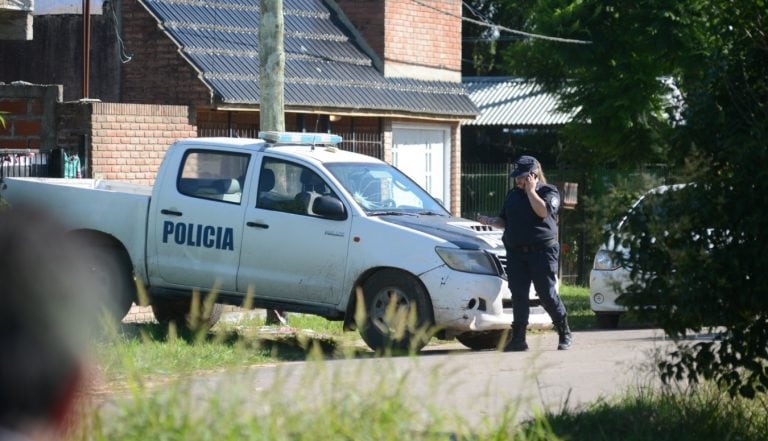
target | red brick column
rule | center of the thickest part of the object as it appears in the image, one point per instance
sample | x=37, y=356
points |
x=127, y=141
x=28, y=111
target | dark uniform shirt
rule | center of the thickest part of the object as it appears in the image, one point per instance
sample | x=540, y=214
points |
x=523, y=225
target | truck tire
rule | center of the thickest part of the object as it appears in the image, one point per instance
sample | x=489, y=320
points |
x=481, y=340
x=607, y=320
x=111, y=275
x=168, y=310
x=398, y=312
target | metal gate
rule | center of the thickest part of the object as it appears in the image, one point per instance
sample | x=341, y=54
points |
x=52, y=163
x=25, y=162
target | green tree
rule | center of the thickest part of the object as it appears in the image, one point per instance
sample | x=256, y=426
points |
x=696, y=254
x=613, y=77
x=484, y=36
x=711, y=267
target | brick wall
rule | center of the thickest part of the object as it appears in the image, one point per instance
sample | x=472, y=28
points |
x=418, y=34
x=29, y=115
x=418, y=41
x=157, y=73
x=368, y=18
x=128, y=141
x=455, y=170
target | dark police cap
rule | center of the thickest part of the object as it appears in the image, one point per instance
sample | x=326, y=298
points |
x=523, y=166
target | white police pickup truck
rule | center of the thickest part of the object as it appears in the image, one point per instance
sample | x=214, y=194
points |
x=290, y=222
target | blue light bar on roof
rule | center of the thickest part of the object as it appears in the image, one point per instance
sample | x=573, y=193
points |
x=304, y=138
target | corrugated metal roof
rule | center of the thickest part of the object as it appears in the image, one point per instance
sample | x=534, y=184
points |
x=323, y=66
x=512, y=102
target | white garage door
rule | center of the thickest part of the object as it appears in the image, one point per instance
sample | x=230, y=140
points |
x=421, y=154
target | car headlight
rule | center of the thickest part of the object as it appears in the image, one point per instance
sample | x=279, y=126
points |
x=468, y=261
x=605, y=260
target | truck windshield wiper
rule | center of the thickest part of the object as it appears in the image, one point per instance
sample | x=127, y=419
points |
x=389, y=213
x=430, y=213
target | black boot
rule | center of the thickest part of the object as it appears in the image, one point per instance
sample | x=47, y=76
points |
x=517, y=342
x=565, y=339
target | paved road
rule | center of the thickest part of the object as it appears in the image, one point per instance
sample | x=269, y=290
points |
x=457, y=381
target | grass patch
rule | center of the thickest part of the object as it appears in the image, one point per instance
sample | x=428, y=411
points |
x=576, y=300
x=702, y=413
x=318, y=324
x=152, y=349
x=580, y=314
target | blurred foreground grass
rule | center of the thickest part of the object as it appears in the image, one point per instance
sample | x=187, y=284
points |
x=146, y=394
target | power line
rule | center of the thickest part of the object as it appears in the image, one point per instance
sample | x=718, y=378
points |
x=124, y=55
x=484, y=39
x=474, y=11
x=502, y=28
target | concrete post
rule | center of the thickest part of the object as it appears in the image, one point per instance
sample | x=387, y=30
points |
x=271, y=66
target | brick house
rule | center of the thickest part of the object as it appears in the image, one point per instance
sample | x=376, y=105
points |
x=385, y=74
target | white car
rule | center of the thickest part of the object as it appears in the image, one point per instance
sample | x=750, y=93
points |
x=607, y=278
x=605, y=282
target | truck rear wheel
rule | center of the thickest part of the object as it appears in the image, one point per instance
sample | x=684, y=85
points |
x=168, y=310
x=398, y=312
x=109, y=270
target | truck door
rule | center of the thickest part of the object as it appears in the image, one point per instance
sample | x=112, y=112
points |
x=289, y=252
x=199, y=221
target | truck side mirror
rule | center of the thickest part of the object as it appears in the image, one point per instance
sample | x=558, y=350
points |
x=329, y=207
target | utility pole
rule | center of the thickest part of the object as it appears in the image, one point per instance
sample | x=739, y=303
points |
x=271, y=66
x=271, y=84
x=86, y=47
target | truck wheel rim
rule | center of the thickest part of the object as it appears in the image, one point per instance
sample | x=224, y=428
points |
x=389, y=305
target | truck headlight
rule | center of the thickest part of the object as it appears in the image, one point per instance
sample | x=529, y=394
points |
x=468, y=261
x=605, y=260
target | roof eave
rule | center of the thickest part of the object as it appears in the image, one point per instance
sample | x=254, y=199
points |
x=350, y=112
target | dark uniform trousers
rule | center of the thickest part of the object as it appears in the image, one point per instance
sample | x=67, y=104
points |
x=526, y=265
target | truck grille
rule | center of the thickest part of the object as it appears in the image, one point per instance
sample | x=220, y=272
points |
x=501, y=263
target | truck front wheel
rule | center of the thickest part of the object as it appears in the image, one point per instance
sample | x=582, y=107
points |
x=398, y=312
x=481, y=340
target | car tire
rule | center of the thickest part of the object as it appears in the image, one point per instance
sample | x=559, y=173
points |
x=607, y=320
x=482, y=340
x=398, y=312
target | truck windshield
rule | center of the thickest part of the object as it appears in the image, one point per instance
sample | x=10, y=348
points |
x=383, y=189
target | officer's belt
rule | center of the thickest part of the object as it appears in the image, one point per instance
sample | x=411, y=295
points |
x=534, y=247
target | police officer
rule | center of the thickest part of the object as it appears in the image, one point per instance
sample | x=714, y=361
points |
x=529, y=220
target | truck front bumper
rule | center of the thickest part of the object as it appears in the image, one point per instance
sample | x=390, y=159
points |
x=473, y=302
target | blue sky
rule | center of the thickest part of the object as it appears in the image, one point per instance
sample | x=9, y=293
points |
x=65, y=7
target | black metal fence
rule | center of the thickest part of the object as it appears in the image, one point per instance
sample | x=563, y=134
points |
x=52, y=163
x=366, y=143
x=483, y=188
x=370, y=144
x=208, y=129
